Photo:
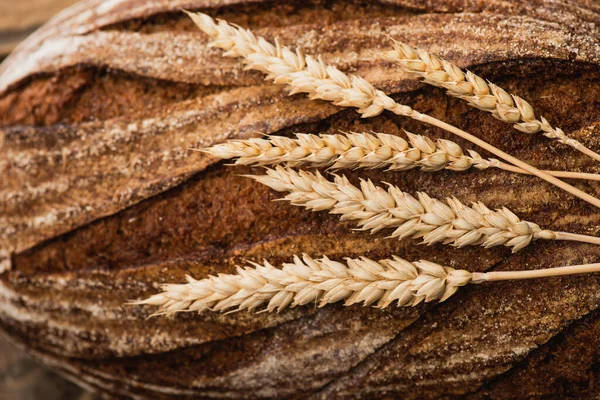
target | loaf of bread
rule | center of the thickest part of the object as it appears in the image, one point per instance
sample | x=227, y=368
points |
x=101, y=201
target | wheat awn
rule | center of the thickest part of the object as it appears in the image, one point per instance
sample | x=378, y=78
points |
x=364, y=150
x=324, y=281
x=478, y=93
x=305, y=74
x=375, y=209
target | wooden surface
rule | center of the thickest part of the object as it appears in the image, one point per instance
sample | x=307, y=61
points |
x=21, y=378
x=101, y=202
x=19, y=19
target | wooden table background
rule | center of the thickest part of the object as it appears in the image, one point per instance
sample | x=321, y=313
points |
x=21, y=378
x=19, y=18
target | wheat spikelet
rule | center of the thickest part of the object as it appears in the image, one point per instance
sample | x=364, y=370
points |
x=477, y=92
x=324, y=281
x=375, y=209
x=364, y=150
x=309, y=280
x=305, y=74
x=353, y=150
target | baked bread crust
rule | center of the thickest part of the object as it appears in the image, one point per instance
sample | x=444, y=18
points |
x=101, y=200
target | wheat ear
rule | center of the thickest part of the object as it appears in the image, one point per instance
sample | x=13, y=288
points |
x=320, y=81
x=478, y=93
x=309, y=280
x=364, y=150
x=375, y=208
x=324, y=281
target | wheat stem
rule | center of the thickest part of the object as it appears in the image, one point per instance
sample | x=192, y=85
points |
x=375, y=208
x=478, y=277
x=305, y=74
x=324, y=281
x=363, y=150
x=507, y=157
x=558, y=174
x=585, y=150
x=478, y=93
x=576, y=237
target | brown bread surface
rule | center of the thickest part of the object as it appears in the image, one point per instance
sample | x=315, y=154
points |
x=101, y=201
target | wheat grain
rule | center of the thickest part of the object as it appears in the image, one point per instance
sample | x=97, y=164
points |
x=309, y=280
x=305, y=74
x=352, y=150
x=364, y=150
x=375, y=209
x=324, y=281
x=477, y=92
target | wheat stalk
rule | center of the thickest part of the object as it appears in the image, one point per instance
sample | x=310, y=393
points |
x=305, y=74
x=324, y=281
x=478, y=93
x=364, y=150
x=375, y=209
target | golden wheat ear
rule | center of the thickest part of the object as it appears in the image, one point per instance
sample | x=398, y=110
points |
x=306, y=74
x=323, y=281
x=375, y=208
x=307, y=280
x=353, y=150
x=477, y=92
